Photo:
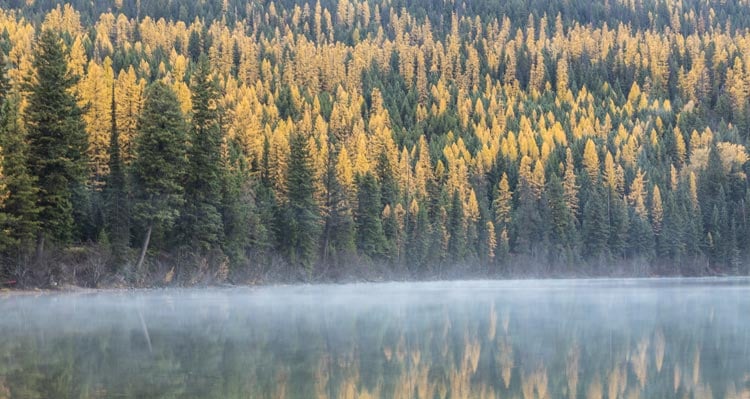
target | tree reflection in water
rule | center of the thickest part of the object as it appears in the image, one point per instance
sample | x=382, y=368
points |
x=466, y=340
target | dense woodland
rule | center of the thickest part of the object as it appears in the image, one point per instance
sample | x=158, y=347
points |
x=194, y=142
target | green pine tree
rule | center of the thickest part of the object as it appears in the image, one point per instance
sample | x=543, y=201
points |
x=595, y=223
x=456, y=230
x=339, y=229
x=239, y=207
x=159, y=164
x=20, y=204
x=302, y=214
x=419, y=234
x=201, y=222
x=562, y=224
x=618, y=224
x=116, y=197
x=370, y=235
x=57, y=140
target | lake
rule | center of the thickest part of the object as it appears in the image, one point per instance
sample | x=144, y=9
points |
x=660, y=338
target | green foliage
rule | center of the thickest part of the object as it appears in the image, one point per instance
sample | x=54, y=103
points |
x=201, y=222
x=160, y=160
x=370, y=235
x=456, y=229
x=541, y=148
x=56, y=136
x=301, y=215
x=339, y=232
x=19, y=205
x=116, y=197
x=595, y=229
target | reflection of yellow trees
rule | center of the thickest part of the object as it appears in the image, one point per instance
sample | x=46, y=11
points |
x=639, y=361
x=534, y=384
x=571, y=370
x=733, y=394
x=282, y=382
x=460, y=377
x=617, y=381
x=492, y=328
x=659, y=344
x=506, y=321
x=702, y=391
x=505, y=360
x=696, y=366
x=460, y=358
x=322, y=376
x=595, y=389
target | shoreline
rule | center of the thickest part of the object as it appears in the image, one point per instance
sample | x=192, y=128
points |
x=69, y=288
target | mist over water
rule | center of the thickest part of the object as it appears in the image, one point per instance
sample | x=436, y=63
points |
x=665, y=338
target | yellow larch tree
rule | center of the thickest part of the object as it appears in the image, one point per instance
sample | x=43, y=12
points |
x=657, y=210
x=570, y=187
x=129, y=97
x=98, y=107
x=591, y=160
x=636, y=197
x=561, y=83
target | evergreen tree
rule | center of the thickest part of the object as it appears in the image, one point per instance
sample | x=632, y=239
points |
x=194, y=48
x=595, y=226
x=526, y=219
x=562, y=222
x=201, y=221
x=456, y=229
x=159, y=164
x=57, y=139
x=370, y=236
x=5, y=238
x=19, y=204
x=640, y=237
x=302, y=221
x=116, y=193
x=419, y=233
x=388, y=185
x=618, y=224
x=670, y=243
x=339, y=230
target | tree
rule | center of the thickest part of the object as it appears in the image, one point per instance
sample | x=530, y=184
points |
x=591, y=160
x=370, y=235
x=618, y=224
x=159, y=164
x=562, y=220
x=657, y=210
x=57, y=139
x=302, y=221
x=595, y=224
x=339, y=231
x=456, y=229
x=527, y=219
x=116, y=193
x=501, y=205
x=20, y=191
x=201, y=223
x=418, y=235
x=570, y=188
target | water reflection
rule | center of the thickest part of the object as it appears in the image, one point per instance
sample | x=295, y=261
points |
x=593, y=340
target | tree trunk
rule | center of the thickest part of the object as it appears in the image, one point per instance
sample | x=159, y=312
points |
x=144, y=248
x=39, y=246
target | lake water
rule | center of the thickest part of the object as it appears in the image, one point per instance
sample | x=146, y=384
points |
x=590, y=339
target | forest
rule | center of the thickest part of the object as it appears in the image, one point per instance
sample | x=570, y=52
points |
x=164, y=142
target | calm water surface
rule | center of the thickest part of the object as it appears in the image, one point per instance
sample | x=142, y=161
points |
x=588, y=339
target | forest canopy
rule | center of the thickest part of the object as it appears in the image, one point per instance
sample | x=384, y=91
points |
x=242, y=141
